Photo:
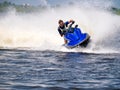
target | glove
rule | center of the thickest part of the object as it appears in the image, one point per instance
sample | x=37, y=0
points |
x=76, y=26
x=73, y=22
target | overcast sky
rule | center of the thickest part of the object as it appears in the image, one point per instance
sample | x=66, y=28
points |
x=43, y=2
x=36, y=2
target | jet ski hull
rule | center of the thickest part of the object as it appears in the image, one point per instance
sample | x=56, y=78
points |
x=77, y=38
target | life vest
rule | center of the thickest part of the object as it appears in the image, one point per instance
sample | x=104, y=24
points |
x=64, y=30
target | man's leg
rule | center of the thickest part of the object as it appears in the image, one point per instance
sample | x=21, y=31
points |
x=65, y=41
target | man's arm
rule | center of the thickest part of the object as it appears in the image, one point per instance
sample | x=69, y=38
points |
x=68, y=22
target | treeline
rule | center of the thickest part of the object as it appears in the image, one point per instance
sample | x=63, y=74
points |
x=5, y=6
x=115, y=10
x=5, y=3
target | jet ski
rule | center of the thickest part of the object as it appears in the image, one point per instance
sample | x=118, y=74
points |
x=75, y=38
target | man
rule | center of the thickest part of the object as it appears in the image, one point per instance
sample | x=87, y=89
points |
x=63, y=26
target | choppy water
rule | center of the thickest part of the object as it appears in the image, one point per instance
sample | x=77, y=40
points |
x=51, y=70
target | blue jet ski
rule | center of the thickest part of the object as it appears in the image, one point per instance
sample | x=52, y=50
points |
x=76, y=38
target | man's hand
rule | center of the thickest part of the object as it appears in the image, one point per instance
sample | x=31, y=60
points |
x=72, y=21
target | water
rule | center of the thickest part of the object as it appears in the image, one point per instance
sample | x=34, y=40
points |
x=51, y=70
x=32, y=56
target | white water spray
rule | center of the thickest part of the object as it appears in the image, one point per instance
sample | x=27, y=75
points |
x=39, y=30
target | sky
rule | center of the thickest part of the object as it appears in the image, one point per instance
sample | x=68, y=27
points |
x=43, y=2
x=36, y=2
